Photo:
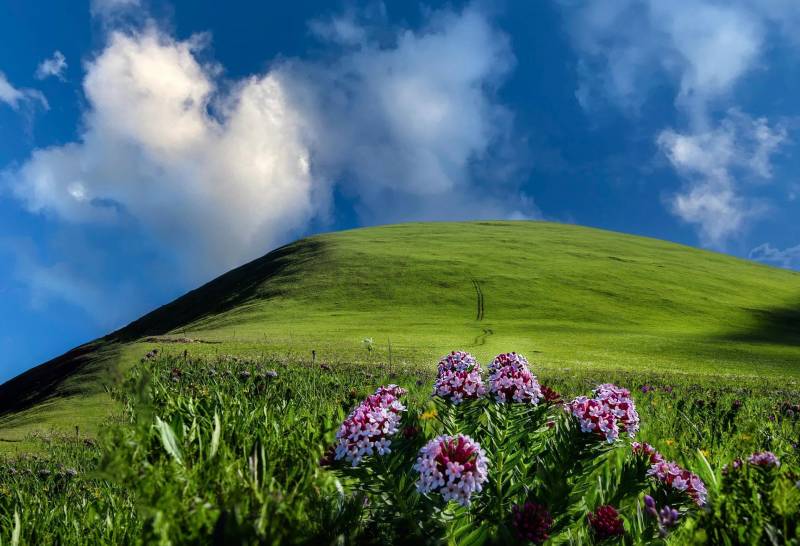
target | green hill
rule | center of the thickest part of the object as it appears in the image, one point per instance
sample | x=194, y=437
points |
x=568, y=297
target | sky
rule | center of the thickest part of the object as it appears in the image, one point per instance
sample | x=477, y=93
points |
x=147, y=147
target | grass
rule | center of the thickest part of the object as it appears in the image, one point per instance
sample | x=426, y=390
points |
x=207, y=452
x=569, y=297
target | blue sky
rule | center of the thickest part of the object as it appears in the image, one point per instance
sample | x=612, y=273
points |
x=146, y=147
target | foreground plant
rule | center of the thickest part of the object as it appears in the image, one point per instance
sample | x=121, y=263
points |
x=530, y=468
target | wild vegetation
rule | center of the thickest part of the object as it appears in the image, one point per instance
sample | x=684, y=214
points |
x=216, y=416
x=239, y=450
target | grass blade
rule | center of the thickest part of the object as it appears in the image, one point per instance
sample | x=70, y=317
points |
x=168, y=440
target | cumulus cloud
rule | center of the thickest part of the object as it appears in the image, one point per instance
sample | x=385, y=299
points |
x=221, y=171
x=15, y=97
x=788, y=258
x=703, y=49
x=713, y=162
x=213, y=188
x=412, y=119
x=53, y=66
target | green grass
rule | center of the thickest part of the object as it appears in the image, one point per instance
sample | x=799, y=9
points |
x=259, y=481
x=571, y=298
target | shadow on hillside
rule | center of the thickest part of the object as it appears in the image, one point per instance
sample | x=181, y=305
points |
x=780, y=325
x=236, y=287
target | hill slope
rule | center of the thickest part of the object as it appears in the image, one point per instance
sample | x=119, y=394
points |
x=566, y=296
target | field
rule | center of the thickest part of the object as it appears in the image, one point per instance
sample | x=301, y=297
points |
x=337, y=315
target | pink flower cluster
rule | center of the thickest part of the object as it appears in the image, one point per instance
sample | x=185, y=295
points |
x=454, y=466
x=610, y=411
x=369, y=427
x=764, y=458
x=672, y=475
x=459, y=378
x=645, y=450
x=510, y=380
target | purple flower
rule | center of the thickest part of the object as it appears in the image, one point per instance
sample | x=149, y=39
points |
x=666, y=518
x=606, y=523
x=510, y=380
x=459, y=378
x=766, y=459
x=454, y=466
x=679, y=479
x=369, y=427
x=531, y=522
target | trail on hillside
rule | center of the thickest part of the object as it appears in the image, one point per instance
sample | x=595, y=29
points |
x=479, y=292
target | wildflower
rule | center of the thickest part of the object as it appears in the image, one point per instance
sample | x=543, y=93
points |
x=510, y=380
x=454, y=466
x=428, y=415
x=531, y=522
x=610, y=411
x=71, y=472
x=675, y=477
x=736, y=464
x=765, y=459
x=459, y=378
x=647, y=388
x=44, y=473
x=368, y=428
x=606, y=523
x=244, y=375
x=272, y=374
x=645, y=450
x=410, y=432
x=666, y=518
x=550, y=396
x=669, y=442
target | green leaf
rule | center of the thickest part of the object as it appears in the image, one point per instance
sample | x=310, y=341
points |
x=17, y=529
x=215, y=436
x=168, y=440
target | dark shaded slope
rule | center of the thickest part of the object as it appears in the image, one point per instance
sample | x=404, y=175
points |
x=72, y=372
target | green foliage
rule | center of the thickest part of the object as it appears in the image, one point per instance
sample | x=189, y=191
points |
x=222, y=449
x=580, y=299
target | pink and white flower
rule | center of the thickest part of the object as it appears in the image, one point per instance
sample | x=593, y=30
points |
x=459, y=378
x=645, y=450
x=672, y=475
x=610, y=412
x=510, y=380
x=454, y=466
x=369, y=427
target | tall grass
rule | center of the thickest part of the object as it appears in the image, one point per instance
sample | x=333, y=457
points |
x=228, y=450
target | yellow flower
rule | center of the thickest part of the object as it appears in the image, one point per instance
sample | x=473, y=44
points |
x=705, y=453
x=745, y=437
x=428, y=415
x=669, y=442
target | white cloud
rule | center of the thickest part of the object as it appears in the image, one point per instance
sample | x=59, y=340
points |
x=411, y=120
x=219, y=172
x=704, y=48
x=714, y=164
x=54, y=66
x=15, y=97
x=788, y=258
x=628, y=47
x=215, y=189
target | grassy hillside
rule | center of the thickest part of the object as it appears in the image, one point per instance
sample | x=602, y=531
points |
x=569, y=297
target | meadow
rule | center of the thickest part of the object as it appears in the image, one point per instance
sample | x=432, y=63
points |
x=229, y=449
x=207, y=419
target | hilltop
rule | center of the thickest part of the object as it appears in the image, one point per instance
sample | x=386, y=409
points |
x=569, y=297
